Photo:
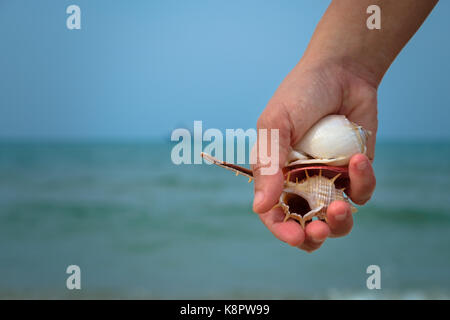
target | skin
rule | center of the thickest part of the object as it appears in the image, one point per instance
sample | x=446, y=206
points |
x=339, y=73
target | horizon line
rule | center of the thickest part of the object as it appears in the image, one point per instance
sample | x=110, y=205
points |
x=166, y=139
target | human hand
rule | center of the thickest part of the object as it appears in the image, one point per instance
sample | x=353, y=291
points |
x=313, y=90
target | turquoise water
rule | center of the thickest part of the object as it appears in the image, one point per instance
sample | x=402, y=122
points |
x=140, y=227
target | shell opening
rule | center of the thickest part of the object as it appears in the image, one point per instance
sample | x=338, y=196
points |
x=296, y=204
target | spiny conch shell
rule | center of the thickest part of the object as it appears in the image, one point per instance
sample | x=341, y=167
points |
x=316, y=171
x=308, y=191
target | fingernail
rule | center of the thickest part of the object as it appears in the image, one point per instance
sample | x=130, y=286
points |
x=259, y=198
x=362, y=165
x=317, y=240
x=341, y=216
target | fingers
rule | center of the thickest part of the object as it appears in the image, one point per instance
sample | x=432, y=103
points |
x=339, y=216
x=316, y=234
x=362, y=179
x=340, y=219
x=340, y=222
x=290, y=231
x=310, y=239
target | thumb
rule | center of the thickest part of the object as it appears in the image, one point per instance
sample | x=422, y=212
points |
x=277, y=130
x=268, y=189
x=268, y=157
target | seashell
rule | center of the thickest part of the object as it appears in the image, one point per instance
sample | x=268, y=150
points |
x=316, y=172
x=332, y=141
x=308, y=196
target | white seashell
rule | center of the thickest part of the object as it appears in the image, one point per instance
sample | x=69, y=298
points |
x=297, y=155
x=332, y=141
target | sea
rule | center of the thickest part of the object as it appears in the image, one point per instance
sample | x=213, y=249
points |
x=140, y=227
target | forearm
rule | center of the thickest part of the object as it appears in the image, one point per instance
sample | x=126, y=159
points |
x=342, y=34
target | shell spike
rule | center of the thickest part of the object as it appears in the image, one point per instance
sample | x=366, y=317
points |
x=302, y=223
x=276, y=206
x=229, y=166
x=288, y=177
x=335, y=177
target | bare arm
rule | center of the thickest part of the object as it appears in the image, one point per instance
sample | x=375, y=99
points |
x=342, y=34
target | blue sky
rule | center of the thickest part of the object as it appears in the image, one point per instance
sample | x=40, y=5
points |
x=138, y=69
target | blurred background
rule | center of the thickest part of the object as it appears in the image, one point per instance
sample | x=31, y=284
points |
x=86, y=176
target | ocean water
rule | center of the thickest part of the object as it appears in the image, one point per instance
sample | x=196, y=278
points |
x=140, y=227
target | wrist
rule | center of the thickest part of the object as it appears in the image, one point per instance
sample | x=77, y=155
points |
x=347, y=63
x=345, y=71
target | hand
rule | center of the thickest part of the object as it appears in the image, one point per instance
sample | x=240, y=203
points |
x=311, y=91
